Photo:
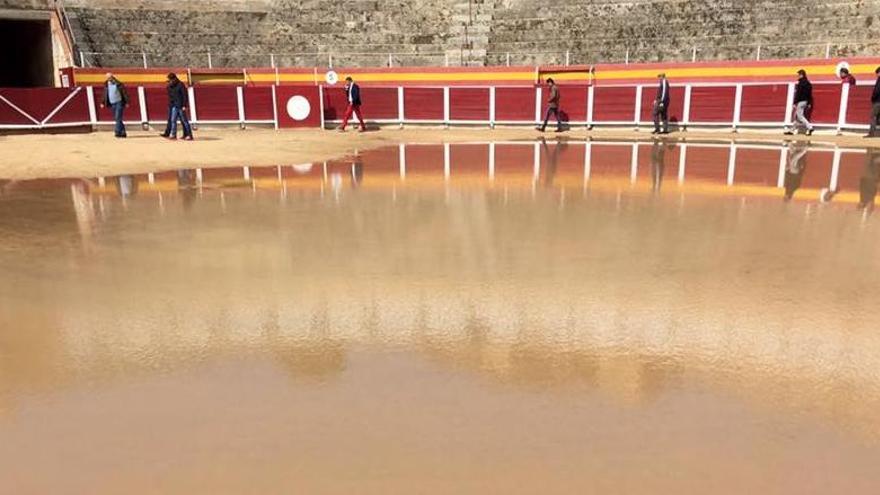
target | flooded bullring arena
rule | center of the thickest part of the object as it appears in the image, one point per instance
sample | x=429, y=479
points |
x=488, y=317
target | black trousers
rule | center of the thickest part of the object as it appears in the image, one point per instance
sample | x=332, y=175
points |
x=661, y=113
x=554, y=111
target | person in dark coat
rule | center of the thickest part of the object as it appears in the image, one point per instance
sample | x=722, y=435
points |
x=552, y=105
x=353, y=94
x=116, y=98
x=803, y=101
x=661, y=106
x=177, y=103
x=875, y=106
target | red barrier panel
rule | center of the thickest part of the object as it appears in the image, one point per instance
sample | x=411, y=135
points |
x=379, y=103
x=218, y=103
x=764, y=103
x=858, y=108
x=614, y=104
x=514, y=104
x=258, y=103
x=826, y=104
x=157, y=104
x=676, y=104
x=712, y=104
x=132, y=112
x=469, y=104
x=37, y=106
x=572, y=103
x=298, y=106
x=423, y=104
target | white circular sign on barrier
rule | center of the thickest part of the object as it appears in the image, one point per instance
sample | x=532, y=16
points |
x=842, y=65
x=298, y=107
x=331, y=77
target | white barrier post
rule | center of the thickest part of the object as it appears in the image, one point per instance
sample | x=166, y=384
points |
x=446, y=105
x=239, y=94
x=538, y=105
x=400, y=113
x=590, y=98
x=638, y=113
x=142, y=99
x=93, y=114
x=275, y=107
x=192, y=105
x=844, y=105
x=686, y=112
x=737, y=106
x=492, y=107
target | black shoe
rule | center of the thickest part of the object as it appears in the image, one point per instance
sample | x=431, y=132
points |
x=868, y=136
x=656, y=131
x=540, y=129
x=121, y=135
x=558, y=130
x=788, y=133
x=164, y=135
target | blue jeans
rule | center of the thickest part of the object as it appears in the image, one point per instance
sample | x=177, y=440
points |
x=118, y=107
x=179, y=113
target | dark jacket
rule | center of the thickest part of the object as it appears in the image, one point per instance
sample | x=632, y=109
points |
x=848, y=79
x=354, y=94
x=122, y=92
x=663, y=93
x=553, y=100
x=177, y=96
x=803, y=91
x=875, y=96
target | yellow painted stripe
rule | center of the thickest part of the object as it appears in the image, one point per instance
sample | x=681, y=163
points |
x=86, y=78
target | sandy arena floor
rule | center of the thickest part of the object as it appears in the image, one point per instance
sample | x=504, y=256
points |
x=100, y=154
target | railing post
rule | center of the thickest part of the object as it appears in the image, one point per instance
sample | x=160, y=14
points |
x=272, y=60
x=82, y=59
x=828, y=50
x=144, y=56
x=330, y=60
x=390, y=61
x=567, y=57
x=626, y=57
x=758, y=57
x=446, y=59
x=694, y=56
x=508, y=59
x=210, y=64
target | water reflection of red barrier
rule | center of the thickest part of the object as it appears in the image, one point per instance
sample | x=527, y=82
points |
x=725, y=105
x=738, y=170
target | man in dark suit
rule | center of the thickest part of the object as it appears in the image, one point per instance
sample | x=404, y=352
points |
x=875, y=106
x=661, y=106
x=353, y=92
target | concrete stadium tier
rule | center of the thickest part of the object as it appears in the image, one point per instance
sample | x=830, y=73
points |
x=475, y=32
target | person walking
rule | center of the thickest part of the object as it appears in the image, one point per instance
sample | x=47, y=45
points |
x=803, y=99
x=661, y=106
x=116, y=98
x=353, y=93
x=177, y=103
x=846, y=77
x=875, y=106
x=552, y=105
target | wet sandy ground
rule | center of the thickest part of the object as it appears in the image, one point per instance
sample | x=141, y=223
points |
x=436, y=340
x=100, y=154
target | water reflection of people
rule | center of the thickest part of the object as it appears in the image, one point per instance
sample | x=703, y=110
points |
x=552, y=160
x=126, y=185
x=357, y=172
x=794, y=170
x=658, y=163
x=869, y=180
x=186, y=183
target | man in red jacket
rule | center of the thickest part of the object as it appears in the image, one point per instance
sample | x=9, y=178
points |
x=353, y=93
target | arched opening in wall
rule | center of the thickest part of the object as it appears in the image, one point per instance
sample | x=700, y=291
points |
x=26, y=53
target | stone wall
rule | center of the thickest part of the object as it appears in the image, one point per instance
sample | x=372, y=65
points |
x=475, y=32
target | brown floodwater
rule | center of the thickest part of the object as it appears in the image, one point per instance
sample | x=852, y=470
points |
x=481, y=318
